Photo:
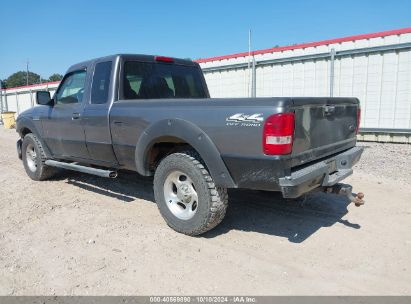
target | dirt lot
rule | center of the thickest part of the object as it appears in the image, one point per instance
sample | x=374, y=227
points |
x=85, y=235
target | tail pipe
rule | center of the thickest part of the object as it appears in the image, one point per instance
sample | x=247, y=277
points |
x=346, y=190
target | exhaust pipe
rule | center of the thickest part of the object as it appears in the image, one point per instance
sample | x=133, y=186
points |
x=346, y=190
x=83, y=169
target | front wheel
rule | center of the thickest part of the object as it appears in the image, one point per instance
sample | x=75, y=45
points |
x=34, y=158
x=186, y=195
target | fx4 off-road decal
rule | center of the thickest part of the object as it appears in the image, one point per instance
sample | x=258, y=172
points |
x=245, y=120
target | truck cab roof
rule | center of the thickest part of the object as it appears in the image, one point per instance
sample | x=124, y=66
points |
x=136, y=57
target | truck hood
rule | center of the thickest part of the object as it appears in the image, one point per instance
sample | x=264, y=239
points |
x=27, y=113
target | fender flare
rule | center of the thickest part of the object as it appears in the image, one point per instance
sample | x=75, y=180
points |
x=23, y=122
x=191, y=134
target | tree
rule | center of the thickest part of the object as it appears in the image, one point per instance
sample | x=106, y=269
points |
x=55, y=77
x=3, y=84
x=20, y=79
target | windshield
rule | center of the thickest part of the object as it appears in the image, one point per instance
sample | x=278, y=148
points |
x=143, y=80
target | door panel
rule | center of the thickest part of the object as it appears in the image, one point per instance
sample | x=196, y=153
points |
x=96, y=119
x=64, y=131
x=98, y=136
x=63, y=127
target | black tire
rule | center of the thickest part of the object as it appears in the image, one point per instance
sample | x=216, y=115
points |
x=212, y=200
x=41, y=170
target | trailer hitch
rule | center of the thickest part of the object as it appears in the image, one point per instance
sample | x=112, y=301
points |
x=346, y=190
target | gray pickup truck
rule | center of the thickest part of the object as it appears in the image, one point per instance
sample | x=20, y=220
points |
x=154, y=115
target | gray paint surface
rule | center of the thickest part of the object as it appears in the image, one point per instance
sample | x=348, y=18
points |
x=109, y=134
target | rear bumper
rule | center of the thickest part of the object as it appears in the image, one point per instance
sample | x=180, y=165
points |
x=327, y=172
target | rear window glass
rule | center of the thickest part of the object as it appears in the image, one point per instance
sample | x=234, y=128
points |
x=143, y=80
x=101, y=83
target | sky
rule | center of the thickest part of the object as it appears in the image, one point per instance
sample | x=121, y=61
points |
x=52, y=35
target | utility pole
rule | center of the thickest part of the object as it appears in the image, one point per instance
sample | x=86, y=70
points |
x=254, y=80
x=27, y=72
x=249, y=65
x=332, y=61
x=252, y=84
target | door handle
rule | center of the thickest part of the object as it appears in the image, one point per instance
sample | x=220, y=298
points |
x=119, y=124
x=75, y=116
x=328, y=110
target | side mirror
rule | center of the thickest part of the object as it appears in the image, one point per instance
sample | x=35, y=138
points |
x=43, y=98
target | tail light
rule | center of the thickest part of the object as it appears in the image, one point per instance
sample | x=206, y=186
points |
x=278, y=134
x=358, y=120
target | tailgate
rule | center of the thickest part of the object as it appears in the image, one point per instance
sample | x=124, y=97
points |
x=324, y=126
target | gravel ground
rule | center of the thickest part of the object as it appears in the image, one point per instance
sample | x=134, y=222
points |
x=82, y=235
x=386, y=160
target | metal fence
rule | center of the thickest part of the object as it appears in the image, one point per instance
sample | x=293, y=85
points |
x=22, y=98
x=376, y=68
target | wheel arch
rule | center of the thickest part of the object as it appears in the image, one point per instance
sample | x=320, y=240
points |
x=25, y=126
x=182, y=132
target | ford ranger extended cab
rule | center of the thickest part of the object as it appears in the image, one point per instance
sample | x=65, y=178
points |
x=154, y=115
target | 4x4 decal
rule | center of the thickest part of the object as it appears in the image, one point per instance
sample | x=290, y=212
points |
x=245, y=120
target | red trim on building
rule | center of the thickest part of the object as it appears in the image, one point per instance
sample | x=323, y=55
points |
x=278, y=49
x=33, y=85
x=309, y=44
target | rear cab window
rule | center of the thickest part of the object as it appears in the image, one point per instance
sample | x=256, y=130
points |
x=146, y=80
x=101, y=83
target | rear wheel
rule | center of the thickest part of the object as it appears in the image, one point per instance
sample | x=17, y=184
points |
x=186, y=195
x=34, y=158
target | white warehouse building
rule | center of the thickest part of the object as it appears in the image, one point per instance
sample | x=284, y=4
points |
x=376, y=68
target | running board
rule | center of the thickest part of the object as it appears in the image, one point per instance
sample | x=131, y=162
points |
x=83, y=169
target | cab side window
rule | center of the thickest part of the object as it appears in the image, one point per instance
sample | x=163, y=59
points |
x=72, y=88
x=101, y=83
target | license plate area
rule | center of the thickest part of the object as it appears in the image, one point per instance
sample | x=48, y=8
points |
x=332, y=166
